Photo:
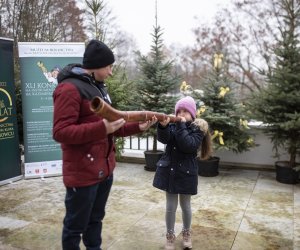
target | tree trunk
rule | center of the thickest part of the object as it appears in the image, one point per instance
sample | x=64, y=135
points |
x=154, y=146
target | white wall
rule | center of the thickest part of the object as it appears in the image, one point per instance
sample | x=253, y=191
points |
x=261, y=156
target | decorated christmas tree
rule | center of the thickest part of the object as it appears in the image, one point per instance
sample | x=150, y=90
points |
x=218, y=105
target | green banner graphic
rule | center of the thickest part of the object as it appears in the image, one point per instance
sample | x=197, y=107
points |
x=10, y=161
x=40, y=63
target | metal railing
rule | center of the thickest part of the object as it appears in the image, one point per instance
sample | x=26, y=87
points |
x=140, y=143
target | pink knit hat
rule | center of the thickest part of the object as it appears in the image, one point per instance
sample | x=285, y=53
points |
x=187, y=103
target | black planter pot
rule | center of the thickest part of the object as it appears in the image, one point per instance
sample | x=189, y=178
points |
x=209, y=168
x=286, y=174
x=151, y=158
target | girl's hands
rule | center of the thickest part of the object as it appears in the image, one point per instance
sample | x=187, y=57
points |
x=146, y=125
x=165, y=122
x=182, y=118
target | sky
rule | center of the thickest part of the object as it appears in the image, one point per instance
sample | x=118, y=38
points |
x=176, y=18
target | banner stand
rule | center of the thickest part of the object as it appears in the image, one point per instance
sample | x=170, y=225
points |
x=40, y=63
x=11, y=180
x=10, y=160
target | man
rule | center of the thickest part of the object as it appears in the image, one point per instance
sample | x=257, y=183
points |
x=87, y=145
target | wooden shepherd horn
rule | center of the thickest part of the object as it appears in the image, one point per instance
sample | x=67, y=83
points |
x=106, y=111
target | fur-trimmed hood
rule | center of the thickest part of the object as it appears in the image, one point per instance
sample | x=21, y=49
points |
x=201, y=124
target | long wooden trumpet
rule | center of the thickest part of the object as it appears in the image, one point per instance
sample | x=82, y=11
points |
x=100, y=107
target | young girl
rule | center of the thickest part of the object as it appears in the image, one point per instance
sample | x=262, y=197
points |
x=177, y=170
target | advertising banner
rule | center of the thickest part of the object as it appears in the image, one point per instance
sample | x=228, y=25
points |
x=40, y=63
x=10, y=161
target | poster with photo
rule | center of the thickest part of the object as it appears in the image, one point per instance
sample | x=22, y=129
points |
x=40, y=63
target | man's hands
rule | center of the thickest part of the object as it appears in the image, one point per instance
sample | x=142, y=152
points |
x=113, y=126
x=146, y=125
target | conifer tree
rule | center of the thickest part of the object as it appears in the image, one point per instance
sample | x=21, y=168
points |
x=156, y=82
x=278, y=105
x=219, y=107
x=119, y=89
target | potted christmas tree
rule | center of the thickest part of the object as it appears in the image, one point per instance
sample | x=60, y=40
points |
x=219, y=107
x=278, y=104
x=154, y=88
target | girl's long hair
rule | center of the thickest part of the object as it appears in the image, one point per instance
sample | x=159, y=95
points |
x=206, y=149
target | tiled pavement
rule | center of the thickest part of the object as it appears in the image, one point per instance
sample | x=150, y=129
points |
x=238, y=209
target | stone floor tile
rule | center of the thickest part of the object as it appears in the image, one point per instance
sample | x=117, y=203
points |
x=297, y=227
x=131, y=244
x=249, y=175
x=267, y=181
x=209, y=238
x=9, y=223
x=267, y=225
x=275, y=195
x=280, y=210
x=248, y=241
x=8, y=247
x=297, y=196
x=149, y=229
x=114, y=230
x=296, y=245
x=218, y=219
x=35, y=236
x=220, y=201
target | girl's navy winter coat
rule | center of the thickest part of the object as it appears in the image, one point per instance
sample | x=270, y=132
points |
x=177, y=170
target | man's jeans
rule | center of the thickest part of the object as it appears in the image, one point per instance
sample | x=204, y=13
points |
x=85, y=210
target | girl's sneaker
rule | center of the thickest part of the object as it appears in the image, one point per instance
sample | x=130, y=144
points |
x=170, y=242
x=186, y=239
